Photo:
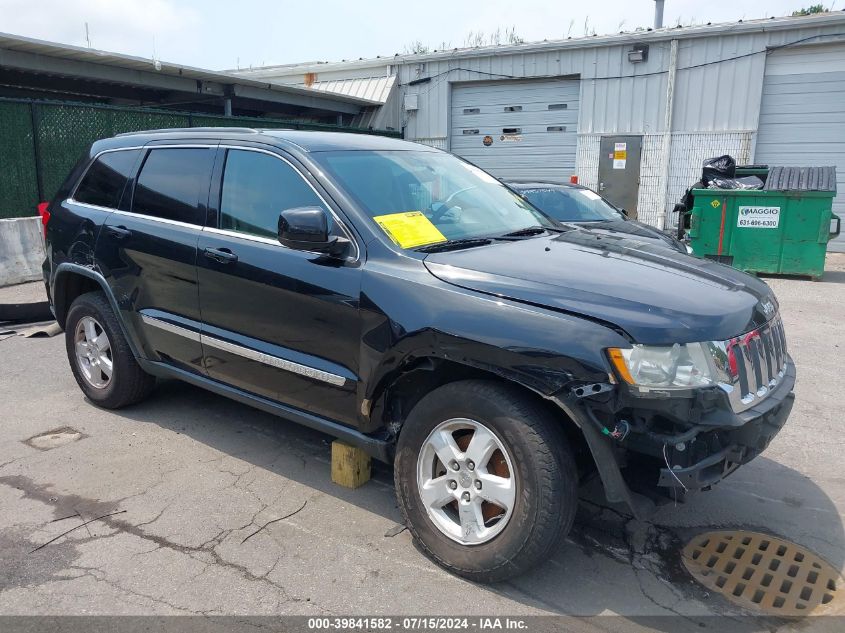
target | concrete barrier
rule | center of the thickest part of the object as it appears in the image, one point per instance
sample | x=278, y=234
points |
x=21, y=250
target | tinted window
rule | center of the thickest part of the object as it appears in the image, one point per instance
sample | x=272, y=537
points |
x=571, y=204
x=256, y=189
x=104, y=181
x=172, y=182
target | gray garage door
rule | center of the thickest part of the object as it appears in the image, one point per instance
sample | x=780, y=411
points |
x=802, y=114
x=517, y=129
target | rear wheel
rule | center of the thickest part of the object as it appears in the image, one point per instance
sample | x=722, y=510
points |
x=100, y=358
x=485, y=479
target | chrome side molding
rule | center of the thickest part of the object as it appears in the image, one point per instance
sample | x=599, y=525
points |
x=246, y=352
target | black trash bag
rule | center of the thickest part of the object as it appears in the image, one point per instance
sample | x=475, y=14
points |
x=719, y=167
x=746, y=183
x=684, y=208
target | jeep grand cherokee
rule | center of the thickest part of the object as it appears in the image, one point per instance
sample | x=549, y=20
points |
x=405, y=301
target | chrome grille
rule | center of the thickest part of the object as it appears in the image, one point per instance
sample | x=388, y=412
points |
x=749, y=366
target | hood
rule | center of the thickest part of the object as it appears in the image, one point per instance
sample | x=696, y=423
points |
x=627, y=229
x=656, y=295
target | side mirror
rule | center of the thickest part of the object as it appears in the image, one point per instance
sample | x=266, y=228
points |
x=307, y=229
x=623, y=212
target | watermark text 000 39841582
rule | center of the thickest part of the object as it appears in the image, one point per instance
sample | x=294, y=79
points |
x=418, y=623
x=306, y=624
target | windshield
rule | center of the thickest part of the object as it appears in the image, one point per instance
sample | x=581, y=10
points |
x=422, y=198
x=571, y=204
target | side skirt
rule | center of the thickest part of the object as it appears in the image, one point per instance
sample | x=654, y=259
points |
x=380, y=449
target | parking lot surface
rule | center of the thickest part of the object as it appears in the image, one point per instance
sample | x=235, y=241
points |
x=190, y=490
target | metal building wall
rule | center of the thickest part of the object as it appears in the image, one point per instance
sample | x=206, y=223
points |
x=705, y=97
x=802, y=114
x=802, y=118
x=716, y=103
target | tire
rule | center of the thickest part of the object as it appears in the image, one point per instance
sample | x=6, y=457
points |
x=540, y=467
x=127, y=382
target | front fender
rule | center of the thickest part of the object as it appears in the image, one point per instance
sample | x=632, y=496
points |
x=416, y=315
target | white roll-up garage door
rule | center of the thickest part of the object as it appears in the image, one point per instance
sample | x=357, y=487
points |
x=517, y=129
x=802, y=113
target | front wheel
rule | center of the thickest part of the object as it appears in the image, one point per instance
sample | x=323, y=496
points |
x=485, y=479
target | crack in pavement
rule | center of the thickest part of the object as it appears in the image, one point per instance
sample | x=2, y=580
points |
x=44, y=494
x=89, y=573
x=646, y=548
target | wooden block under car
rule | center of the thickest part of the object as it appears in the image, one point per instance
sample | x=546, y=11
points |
x=350, y=465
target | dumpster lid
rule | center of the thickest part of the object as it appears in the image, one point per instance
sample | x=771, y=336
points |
x=801, y=179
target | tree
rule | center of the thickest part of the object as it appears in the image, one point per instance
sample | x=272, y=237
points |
x=816, y=8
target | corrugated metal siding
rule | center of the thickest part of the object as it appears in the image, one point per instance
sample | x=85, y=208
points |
x=802, y=116
x=719, y=97
x=300, y=74
x=617, y=96
x=441, y=142
x=370, y=88
x=527, y=142
x=722, y=96
x=608, y=105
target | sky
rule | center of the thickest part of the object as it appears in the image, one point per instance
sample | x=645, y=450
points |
x=217, y=34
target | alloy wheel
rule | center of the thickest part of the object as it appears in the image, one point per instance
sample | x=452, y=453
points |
x=466, y=481
x=93, y=352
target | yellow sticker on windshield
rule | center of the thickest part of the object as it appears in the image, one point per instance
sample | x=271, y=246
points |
x=410, y=229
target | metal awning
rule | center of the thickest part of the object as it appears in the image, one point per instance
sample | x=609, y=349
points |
x=37, y=65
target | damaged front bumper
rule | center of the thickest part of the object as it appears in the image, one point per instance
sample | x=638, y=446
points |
x=673, y=444
x=739, y=444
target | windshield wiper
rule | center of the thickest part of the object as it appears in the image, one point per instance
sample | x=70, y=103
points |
x=530, y=230
x=534, y=230
x=452, y=245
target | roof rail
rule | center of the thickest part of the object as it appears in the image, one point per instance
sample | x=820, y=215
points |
x=239, y=130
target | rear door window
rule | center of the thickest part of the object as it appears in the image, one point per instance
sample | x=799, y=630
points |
x=105, y=180
x=173, y=182
x=257, y=187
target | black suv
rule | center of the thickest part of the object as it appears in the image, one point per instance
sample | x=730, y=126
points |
x=405, y=301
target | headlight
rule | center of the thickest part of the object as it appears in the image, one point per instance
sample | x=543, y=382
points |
x=676, y=367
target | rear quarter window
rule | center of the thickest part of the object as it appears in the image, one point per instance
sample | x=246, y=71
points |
x=105, y=180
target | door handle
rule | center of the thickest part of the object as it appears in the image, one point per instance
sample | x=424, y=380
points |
x=220, y=255
x=118, y=232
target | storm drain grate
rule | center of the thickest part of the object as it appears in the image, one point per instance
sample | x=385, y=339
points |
x=764, y=573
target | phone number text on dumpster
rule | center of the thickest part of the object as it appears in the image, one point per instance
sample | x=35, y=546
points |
x=758, y=217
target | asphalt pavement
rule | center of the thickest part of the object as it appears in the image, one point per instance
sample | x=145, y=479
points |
x=177, y=506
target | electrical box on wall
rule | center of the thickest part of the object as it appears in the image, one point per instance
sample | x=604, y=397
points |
x=412, y=102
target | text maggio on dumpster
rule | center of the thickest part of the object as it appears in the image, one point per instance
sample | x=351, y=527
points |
x=758, y=217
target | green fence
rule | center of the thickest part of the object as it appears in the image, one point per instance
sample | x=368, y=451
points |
x=40, y=141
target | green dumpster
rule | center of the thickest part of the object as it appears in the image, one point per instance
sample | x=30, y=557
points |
x=783, y=228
